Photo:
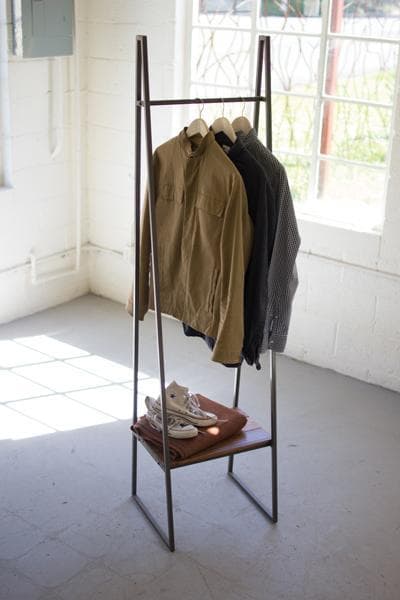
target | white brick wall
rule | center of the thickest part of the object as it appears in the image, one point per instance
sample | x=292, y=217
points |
x=345, y=314
x=38, y=214
x=112, y=28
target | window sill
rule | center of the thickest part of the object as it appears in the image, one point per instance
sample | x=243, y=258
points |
x=338, y=242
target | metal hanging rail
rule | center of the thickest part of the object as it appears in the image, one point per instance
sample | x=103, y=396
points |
x=217, y=100
x=143, y=101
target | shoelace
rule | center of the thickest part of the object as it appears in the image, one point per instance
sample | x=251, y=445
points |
x=192, y=404
x=171, y=419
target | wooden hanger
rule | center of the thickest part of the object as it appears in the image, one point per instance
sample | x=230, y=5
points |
x=242, y=123
x=198, y=126
x=222, y=124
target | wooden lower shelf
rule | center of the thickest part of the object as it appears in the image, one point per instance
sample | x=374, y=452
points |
x=251, y=437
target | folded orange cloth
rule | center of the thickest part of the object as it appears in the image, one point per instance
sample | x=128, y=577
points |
x=230, y=421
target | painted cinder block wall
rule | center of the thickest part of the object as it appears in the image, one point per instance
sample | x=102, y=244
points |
x=112, y=29
x=346, y=314
x=38, y=212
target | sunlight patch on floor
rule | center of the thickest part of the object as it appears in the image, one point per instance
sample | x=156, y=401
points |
x=49, y=386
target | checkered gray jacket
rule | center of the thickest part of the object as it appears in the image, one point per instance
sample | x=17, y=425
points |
x=282, y=274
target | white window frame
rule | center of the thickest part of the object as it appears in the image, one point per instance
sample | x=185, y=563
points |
x=320, y=237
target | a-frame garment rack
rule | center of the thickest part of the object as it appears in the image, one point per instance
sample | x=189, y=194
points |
x=253, y=436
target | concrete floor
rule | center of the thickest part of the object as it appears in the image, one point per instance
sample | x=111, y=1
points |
x=69, y=530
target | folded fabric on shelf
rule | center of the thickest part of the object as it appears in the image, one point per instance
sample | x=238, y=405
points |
x=230, y=421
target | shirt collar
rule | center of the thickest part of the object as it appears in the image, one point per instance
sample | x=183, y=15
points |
x=186, y=144
x=232, y=149
x=249, y=137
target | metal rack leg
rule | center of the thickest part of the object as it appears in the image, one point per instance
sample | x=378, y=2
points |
x=142, y=56
x=135, y=291
x=271, y=514
x=235, y=405
x=274, y=449
x=263, y=60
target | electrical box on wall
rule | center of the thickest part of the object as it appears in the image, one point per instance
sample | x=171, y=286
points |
x=43, y=28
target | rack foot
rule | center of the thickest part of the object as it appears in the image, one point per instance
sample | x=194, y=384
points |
x=256, y=501
x=169, y=541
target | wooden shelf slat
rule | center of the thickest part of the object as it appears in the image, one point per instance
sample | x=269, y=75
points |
x=251, y=437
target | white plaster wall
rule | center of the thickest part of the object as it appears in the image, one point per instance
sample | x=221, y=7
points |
x=38, y=213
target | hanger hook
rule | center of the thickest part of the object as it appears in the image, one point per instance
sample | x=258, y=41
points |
x=202, y=108
x=243, y=106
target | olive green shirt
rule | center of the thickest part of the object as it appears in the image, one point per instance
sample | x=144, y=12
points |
x=204, y=236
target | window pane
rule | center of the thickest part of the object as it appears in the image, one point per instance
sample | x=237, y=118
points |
x=225, y=6
x=223, y=13
x=376, y=18
x=293, y=123
x=294, y=63
x=221, y=57
x=350, y=194
x=363, y=70
x=291, y=15
x=209, y=112
x=355, y=131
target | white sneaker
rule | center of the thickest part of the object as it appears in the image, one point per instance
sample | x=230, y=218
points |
x=176, y=427
x=185, y=405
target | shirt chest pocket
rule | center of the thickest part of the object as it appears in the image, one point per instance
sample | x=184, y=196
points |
x=171, y=193
x=210, y=205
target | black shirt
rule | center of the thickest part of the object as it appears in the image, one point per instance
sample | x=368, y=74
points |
x=256, y=280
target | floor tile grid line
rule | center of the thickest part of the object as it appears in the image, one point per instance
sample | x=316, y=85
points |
x=63, y=360
x=7, y=404
x=16, y=514
x=19, y=341
x=58, y=393
x=52, y=359
x=35, y=419
x=111, y=381
x=30, y=364
x=82, y=403
x=50, y=589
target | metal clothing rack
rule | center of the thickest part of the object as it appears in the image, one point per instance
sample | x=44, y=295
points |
x=252, y=436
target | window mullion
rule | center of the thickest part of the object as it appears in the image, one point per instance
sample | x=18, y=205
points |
x=393, y=132
x=313, y=185
x=253, y=36
x=362, y=38
x=350, y=100
x=349, y=161
x=208, y=26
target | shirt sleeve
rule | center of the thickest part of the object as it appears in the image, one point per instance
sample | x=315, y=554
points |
x=236, y=239
x=145, y=251
x=282, y=276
